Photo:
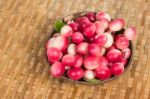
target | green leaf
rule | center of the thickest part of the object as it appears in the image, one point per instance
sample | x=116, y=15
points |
x=58, y=25
x=92, y=80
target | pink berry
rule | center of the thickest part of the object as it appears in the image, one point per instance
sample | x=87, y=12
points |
x=117, y=69
x=89, y=30
x=82, y=48
x=114, y=55
x=83, y=22
x=79, y=61
x=100, y=27
x=59, y=42
x=66, y=31
x=68, y=60
x=77, y=37
x=103, y=61
x=74, y=26
x=122, y=42
x=94, y=49
x=57, y=69
x=75, y=73
x=103, y=73
x=101, y=39
x=53, y=54
x=126, y=53
x=130, y=33
x=116, y=24
x=101, y=15
x=91, y=62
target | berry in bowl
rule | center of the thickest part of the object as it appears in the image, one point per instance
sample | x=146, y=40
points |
x=90, y=48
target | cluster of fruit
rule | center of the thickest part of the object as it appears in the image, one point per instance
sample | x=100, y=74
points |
x=89, y=47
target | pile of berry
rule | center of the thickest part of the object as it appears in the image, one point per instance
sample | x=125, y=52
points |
x=90, y=47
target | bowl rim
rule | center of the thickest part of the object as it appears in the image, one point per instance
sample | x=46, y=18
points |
x=131, y=46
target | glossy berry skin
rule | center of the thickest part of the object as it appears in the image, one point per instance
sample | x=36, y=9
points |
x=126, y=53
x=75, y=73
x=117, y=69
x=114, y=55
x=103, y=73
x=116, y=24
x=59, y=42
x=91, y=62
x=122, y=42
x=77, y=37
x=103, y=61
x=82, y=48
x=57, y=69
x=53, y=54
x=101, y=40
x=100, y=27
x=79, y=61
x=66, y=31
x=94, y=49
x=68, y=60
x=89, y=30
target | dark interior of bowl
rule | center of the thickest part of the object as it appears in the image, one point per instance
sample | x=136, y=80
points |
x=65, y=77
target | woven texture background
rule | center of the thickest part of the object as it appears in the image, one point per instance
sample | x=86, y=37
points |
x=25, y=26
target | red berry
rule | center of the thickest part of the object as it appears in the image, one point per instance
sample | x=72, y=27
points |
x=94, y=49
x=89, y=30
x=91, y=62
x=77, y=37
x=53, y=54
x=68, y=60
x=114, y=55
x=103, y=73
x=82, y=48
x=57, y=69
x=116, y=24
x=122, y=42
x=75, y=73
x=117, y=69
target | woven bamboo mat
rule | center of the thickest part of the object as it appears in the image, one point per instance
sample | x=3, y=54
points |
x=25, y=26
